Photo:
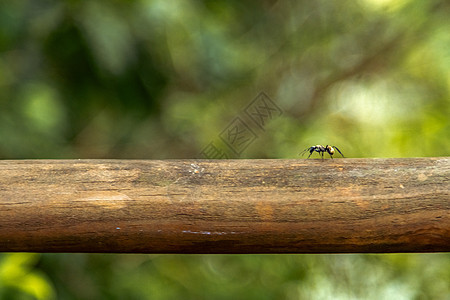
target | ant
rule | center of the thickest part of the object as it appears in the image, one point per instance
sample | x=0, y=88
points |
x=321, y=149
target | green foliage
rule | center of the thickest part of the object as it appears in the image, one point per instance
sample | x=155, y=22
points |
x=391, y=276
x=19, y=279
x=162, y=79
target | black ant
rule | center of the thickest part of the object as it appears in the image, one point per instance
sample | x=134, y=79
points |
x=321, y=149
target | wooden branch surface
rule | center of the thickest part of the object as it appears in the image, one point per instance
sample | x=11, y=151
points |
x=225, y=206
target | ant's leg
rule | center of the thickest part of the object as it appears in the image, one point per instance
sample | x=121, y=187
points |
x=310, y=153
x=304, y=151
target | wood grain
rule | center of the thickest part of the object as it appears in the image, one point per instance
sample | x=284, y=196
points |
x=225, y=206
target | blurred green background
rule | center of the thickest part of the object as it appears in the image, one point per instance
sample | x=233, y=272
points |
x=160, y=79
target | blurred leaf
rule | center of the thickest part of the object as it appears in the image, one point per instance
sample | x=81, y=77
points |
x=17, y=272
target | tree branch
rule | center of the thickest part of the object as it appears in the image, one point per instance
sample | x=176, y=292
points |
x=225, y=206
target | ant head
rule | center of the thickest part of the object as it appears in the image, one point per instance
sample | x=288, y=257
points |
x=330, y=149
